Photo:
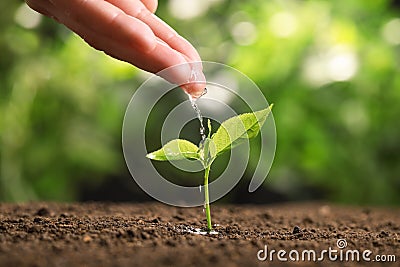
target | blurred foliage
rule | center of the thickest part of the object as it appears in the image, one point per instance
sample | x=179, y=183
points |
x=331, y=68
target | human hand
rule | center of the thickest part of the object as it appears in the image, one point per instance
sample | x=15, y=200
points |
x=128, y=30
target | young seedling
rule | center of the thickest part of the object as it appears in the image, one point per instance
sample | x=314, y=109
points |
x=231, y=133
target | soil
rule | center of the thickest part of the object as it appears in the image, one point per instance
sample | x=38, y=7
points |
x=153, y=234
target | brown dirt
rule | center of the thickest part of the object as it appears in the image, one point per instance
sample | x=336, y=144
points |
x=95, y=234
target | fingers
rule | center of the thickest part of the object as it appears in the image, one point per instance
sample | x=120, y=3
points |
x=161, y=29
x=160, y=58
x=106, y=19
x=127, y=30
x=195, y=83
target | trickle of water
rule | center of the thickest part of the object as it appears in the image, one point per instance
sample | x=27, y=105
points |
x=199, y=116
x=200, y=188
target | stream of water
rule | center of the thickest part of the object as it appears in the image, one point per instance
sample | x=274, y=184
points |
x=203, y=139
x=199, y=116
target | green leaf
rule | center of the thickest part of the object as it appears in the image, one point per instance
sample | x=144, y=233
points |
x=176, y=149
x=236, y=130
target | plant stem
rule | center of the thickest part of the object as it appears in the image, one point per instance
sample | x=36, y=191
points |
x=207, y=198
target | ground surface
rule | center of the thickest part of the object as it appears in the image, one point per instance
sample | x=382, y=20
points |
x=47, y=234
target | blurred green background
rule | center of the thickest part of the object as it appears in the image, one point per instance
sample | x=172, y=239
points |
x=332, y=68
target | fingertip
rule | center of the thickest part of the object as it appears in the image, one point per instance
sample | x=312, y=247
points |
x=176, y=68
x=197, y=81
x=195, y=90
x=189, y=76
x=151, y=5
